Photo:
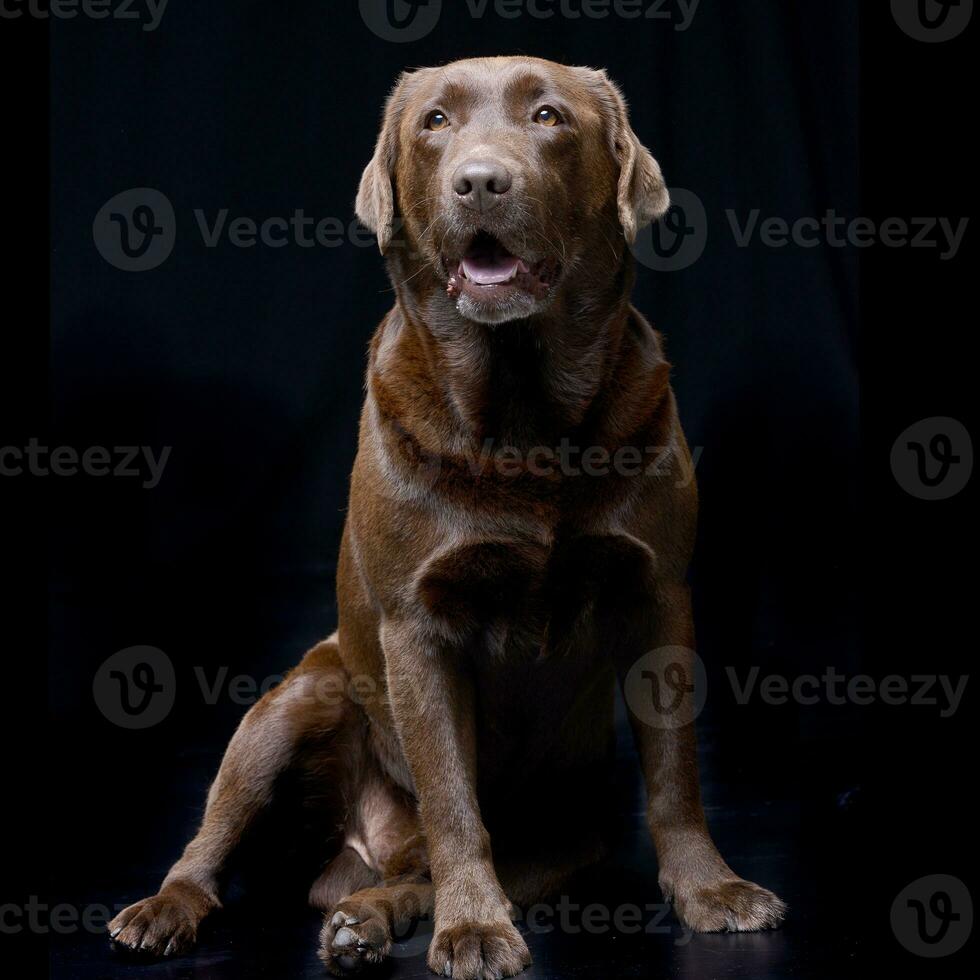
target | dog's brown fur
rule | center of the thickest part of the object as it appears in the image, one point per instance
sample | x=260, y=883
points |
x=486, y=604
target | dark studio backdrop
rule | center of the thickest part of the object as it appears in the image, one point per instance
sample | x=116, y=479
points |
x=795, y=368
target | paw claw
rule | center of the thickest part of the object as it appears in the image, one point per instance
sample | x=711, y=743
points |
x=728, y=905
x=479, y=951
x=161, y=925
x=352, y=939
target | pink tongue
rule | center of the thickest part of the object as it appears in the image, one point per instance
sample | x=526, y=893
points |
x=487, y=269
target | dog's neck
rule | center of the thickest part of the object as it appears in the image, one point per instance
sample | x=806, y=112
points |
x=523, y=382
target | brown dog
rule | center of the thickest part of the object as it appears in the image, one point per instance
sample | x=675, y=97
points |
x=489, y=587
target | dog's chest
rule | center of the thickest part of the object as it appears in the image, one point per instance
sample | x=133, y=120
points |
x=521, y=600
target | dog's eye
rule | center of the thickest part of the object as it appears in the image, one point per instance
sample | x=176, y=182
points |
x=547, y=116
x=436, y=120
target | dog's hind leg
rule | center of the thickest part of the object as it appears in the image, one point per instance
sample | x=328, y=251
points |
x=308, y=712
x=343, y=876
x=360, y=929
x=361, y=924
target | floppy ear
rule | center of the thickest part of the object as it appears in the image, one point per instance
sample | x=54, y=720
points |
x=375, y=205
x=641, y=194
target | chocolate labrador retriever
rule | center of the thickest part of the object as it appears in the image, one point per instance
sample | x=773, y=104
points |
x=508, y=550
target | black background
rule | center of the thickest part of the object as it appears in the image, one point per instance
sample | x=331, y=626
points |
x=795, y=370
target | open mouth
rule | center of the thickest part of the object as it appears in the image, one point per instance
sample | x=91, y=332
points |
x=487, y=269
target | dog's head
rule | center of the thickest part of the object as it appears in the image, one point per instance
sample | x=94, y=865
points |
x=504, y=178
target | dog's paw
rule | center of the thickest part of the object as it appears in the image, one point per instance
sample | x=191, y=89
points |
x=478, y=951
x=163, y=925
x=353, y=937
x=727, y=905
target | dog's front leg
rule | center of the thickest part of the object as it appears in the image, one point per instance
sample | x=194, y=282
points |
x=656, y=663
x=432, y=698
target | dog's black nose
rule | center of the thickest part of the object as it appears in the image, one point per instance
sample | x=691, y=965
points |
x=480, y=184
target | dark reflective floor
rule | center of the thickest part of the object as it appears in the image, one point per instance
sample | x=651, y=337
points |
x=836, y=807
x=816, y=850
